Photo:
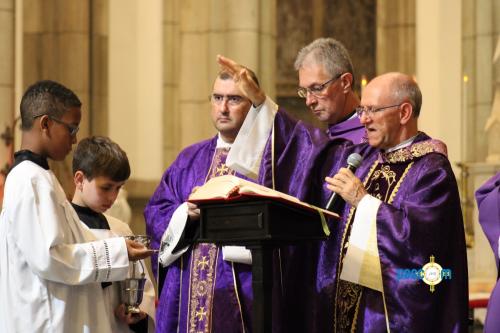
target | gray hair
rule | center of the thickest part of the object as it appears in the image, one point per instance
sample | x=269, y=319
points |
x=330, y=53
x=408, y=90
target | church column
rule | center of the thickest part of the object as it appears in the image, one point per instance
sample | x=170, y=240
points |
x=7, y=83
x=98, y=114
x=171, y=61
x=244, y=31
x=396, y=36
x=135, y=117
x=439, y=71
x=135, y=84
x=479, y=38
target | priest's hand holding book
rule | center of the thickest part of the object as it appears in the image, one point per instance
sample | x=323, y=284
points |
x=193, y=210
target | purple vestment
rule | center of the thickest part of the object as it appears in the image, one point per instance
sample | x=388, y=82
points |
x=488, y=203
x=419, y=217
x=231, y=296
x=350, y=129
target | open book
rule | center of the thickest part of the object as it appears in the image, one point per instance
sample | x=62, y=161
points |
x=231, y=188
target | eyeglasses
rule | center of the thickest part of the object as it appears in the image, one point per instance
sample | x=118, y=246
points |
x=370, y=110
x=232, y=100
x=72, y=129
x=317, y=89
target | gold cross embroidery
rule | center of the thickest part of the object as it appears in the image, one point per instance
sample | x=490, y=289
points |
x=222, y=170
x=203, y=262
x=201, y=313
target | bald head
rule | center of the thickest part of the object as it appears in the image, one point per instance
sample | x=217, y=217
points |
x=391, y=104
x=398, y=88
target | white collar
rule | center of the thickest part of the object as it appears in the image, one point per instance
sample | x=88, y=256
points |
x=403, y=144
x=355, y=115
x=221, y=143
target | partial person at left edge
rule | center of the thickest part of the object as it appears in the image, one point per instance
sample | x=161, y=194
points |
x=51, y=267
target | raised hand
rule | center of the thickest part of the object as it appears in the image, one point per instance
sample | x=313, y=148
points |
x=243, y=79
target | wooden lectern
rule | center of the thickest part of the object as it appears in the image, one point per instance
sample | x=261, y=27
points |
x=260, y=224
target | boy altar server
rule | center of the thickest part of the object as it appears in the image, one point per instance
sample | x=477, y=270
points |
x=100, y=169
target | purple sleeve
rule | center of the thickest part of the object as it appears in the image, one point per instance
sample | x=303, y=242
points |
x=187, y=171
x=160, y=208
x=488, y=204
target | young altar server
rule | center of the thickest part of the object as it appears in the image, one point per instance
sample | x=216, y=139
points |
x=100, y=169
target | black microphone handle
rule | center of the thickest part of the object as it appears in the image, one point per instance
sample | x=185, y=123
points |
x=336, y=199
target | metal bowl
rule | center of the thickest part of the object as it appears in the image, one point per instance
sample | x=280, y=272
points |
x=143, y=239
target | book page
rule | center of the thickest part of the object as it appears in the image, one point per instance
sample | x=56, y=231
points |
x=221, y=187
x=230, y=187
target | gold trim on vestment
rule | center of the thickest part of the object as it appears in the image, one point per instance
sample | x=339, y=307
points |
x=415, y=150
x=389, y=175
x=202, y=288
x=235, y=282
x=398, y=185
x=356, y=312
x=344, y=244
x=205, y=288
x=180, y=294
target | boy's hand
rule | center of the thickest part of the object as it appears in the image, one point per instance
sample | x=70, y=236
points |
x=243, y=80
x=129, y=318
x=137, y=251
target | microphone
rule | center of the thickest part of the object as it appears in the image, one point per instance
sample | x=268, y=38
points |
x=353, y=162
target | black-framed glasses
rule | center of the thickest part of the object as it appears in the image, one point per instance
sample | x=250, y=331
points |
x=72, y=129
x=370, y=110
x=232, y=100
x=316, y=89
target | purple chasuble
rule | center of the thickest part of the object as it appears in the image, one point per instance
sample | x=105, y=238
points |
x=488, y=203
x=350, y=129
x=303, y=155
x=419, y=217
x=201, y=292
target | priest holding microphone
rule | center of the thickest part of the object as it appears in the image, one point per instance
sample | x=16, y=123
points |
x=402, y=214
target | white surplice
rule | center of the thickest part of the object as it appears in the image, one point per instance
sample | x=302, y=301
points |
x=50, y=266
x=112, y=293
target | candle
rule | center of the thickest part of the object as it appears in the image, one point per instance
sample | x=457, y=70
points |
x=463, y=135
x=364, y=82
